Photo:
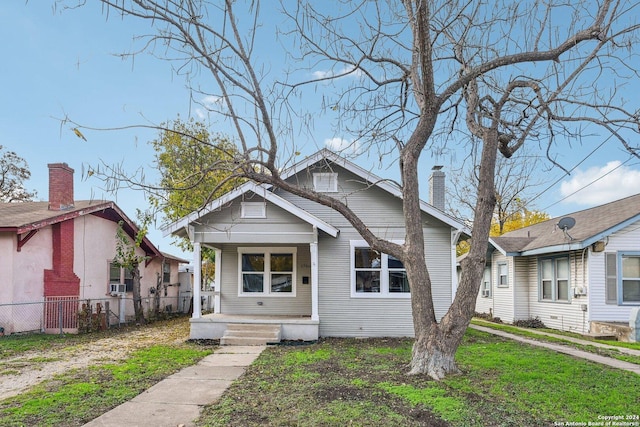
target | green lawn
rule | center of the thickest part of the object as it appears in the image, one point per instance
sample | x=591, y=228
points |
x=364, y=383
x=80, y=395
x=342, y=382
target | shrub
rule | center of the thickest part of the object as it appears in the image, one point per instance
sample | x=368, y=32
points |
x=534, y=322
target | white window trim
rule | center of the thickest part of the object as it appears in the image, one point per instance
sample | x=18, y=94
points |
x=622, y=254
x=554, y=280
x=384, y=275
x=498, y=285
x=267, y=251
x=333, y=182
x=247, y=209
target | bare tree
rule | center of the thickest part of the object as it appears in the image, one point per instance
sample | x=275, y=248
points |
x=515, y=179
x=422, y=73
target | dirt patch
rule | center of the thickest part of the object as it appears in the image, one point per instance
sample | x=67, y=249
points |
x=19, y=373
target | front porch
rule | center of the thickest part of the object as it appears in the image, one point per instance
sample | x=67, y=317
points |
x=294, y=328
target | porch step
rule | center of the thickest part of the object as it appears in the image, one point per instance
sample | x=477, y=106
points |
x=603, y=337
x=251, y=334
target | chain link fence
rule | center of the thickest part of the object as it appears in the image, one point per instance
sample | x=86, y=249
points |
x=72, y=315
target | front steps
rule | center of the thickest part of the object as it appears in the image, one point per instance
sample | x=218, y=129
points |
x=251, y=334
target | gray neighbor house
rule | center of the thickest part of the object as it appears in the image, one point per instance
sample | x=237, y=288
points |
x=577, y=273
x=300, y=270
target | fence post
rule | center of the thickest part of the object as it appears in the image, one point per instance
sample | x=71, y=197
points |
x=60, y=316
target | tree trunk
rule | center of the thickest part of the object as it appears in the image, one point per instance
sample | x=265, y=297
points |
x=137, y=298
x=436, y=344
x=434, y=354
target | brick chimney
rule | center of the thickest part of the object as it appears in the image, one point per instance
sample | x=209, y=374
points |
x=60, y=280
x=60, y=186
x=436, y=188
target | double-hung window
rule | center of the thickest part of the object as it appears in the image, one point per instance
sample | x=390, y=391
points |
x=623, y=278
x=503, y=275
x=554, y=279
x=376, y=274
x=267, y=271
x=166, y=272
x=120, y=279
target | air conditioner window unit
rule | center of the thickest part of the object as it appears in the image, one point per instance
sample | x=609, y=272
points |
x=485, y=293
x=117, y=288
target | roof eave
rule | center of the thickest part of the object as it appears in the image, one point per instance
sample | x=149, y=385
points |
x=555, y=248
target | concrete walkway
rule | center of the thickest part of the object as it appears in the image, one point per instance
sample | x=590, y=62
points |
x=178, y=399
x=572, y=351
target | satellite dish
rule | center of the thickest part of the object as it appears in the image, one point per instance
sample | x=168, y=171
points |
x=566, y=223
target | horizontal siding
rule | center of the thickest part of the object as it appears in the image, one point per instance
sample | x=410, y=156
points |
x=229, y=220
x=560, y=315
x=342, y=315
x=376, y=207
x=230, y=302
x=627, y=239
x=502, y=297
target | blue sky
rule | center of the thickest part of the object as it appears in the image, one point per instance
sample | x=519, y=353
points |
x=56, y=64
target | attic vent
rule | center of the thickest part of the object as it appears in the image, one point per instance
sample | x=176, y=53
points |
x=253, y=210
x=325, y=182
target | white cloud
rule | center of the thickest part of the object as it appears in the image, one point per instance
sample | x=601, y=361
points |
x=208, y=103
x=598, y=185
x=341, y=144
x=349, y=70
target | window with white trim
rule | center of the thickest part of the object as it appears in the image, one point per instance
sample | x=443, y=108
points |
x=374, y=273
x=485, y=289
x=554, y=279
x=623, y=278
x=267, y=271
x=253, y=210
x=326, y=182
x=630, y=278
x=503, y=275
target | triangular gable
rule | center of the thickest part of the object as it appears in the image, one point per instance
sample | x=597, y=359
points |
x=264, y=191
x=261, y=190
x=385, y=184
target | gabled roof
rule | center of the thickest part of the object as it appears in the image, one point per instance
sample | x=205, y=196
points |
x=591, y=225
x=264, y=190
x=259, y=189
x=387, y=185
x=168, y=256
x=29, y=217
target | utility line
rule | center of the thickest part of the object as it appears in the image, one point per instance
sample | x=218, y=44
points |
x=569, y=172
x=592, y=182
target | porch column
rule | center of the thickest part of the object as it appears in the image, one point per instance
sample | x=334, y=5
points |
x=313, y=247
x=197, y=280
x=218, y=280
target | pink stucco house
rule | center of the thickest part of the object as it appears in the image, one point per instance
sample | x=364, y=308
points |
x=62, y=250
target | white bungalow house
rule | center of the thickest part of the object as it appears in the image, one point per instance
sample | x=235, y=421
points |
x=300, y=266
x=578, y=273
